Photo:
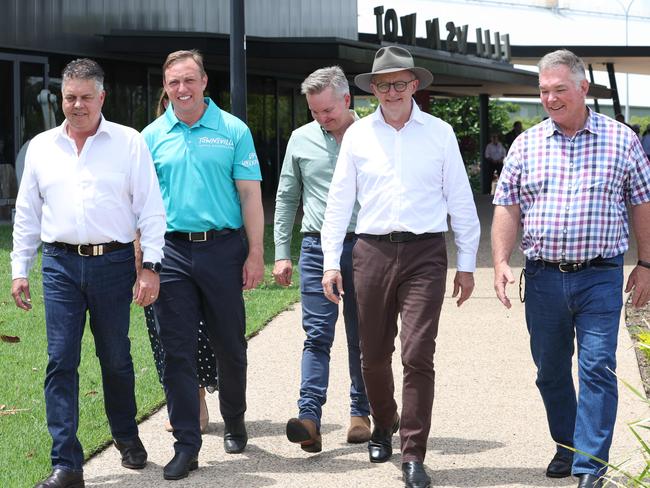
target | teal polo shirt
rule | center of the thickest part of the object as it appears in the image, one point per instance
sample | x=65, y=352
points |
x=197, y=168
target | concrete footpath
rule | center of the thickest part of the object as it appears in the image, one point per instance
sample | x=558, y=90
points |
x=489, y=427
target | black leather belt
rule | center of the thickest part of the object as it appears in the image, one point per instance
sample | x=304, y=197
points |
x=90, y=250
x=348, y=237
x=403, y=236
x=200, y=236
x=565, y=267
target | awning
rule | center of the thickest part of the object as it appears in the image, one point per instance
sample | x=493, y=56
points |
x=454, y=74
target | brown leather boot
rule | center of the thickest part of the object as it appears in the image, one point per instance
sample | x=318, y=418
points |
x=305, y=433
x=359, y=430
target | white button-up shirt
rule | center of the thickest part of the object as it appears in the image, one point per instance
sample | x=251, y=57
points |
x=495, y=152
x=102, y=194
x=405, y=180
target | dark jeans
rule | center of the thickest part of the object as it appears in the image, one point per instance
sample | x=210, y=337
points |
x=319, y=317
x=586, y=306
x=202, y=281
x=101, y=286
x=406, y=279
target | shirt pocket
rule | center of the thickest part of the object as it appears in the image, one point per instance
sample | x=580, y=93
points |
x=105, y=191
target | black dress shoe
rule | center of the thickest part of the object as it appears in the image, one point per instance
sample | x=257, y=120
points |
x=560, y=465
x=180, y=466
x=414, y=475
x=60, y=478
x=380, y=446
x=589, y=481
x=133, y=453
x=235, y=437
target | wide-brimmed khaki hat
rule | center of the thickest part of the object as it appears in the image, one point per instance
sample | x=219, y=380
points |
x=390, y=59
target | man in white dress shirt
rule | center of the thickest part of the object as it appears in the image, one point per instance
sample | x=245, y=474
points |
x=404, y=168
x=88, y=185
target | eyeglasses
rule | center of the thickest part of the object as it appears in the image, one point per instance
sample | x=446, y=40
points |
x=399, y=86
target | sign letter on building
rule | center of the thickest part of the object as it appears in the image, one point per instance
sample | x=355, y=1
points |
x=456, y=40
x=408, y=29
x=391, y=25
x=433, y=35
x=379, y=13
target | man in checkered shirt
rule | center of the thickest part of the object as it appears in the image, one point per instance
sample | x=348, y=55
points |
x=568, y=180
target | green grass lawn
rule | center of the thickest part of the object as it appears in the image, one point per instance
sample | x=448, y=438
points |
x=24, y=439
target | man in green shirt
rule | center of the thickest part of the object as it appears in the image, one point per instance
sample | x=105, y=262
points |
x=307, y=171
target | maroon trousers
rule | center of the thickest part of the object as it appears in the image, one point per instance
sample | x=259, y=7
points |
x=407, y=279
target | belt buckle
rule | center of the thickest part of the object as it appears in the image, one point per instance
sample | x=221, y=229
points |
x=390, y=237
x=565, y=267
x=79, y=246
x=205, y=236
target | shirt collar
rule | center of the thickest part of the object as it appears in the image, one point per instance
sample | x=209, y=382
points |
x=211, y=118
x=591, y=125
x=62, y=130
x=416, y=115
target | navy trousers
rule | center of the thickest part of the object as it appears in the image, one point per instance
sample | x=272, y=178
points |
x=202, y=281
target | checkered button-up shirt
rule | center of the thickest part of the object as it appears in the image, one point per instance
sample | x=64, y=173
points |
x=573, y=191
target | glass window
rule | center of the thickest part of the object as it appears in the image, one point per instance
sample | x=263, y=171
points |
x=261, y=113
x=6, y=114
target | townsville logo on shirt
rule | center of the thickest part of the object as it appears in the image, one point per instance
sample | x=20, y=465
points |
x=216, y=142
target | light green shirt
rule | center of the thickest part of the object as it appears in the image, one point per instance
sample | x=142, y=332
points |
x=307, y=172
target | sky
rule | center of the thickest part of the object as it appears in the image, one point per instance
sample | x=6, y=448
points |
x=571, y=22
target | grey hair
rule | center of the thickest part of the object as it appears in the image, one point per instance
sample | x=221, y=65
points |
x=84, y=69
x=564, y=57
x=323, y=78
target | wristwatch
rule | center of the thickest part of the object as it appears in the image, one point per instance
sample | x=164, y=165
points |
x=155, y=267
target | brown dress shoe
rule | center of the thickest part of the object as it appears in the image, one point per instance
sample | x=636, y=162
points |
x=305, y=433
x=359, y=430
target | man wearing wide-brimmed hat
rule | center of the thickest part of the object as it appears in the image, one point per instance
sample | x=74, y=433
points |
x=404, y=168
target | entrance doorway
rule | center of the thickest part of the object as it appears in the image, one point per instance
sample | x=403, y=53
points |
x=22, y=78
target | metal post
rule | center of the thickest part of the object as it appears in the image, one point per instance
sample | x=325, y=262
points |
x=237, y=59
x=612, y=86
x=591, y=77
x=484, y=125
x=627, y=75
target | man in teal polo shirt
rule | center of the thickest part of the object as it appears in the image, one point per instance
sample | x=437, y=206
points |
x=209, y=179
x=307, y=173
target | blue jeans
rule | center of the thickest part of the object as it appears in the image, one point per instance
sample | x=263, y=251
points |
x=585, y=305
x=319, y=317
x=101, y=286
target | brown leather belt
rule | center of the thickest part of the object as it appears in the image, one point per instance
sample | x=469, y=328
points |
x=200, y=236
x=403, y=236
x=90, y=250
